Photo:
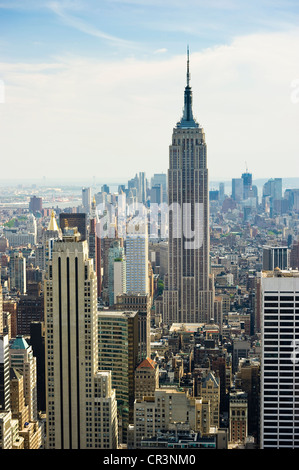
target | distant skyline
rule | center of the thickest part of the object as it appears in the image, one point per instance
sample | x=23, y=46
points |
x=91, y=88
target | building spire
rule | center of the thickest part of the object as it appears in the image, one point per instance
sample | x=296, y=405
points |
x=187, y=119
x=188, y=72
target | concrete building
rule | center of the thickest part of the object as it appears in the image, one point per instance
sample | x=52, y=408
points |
x=146, y=379
x=118, y=352
x=106, y=408
x=70, y=221
x=22, y=359
x=72, y=380
x=158, y=413
x=237, y=189
x=116, y=271
x=280, y=365
x=86, y=200
x=210, y=391
x=4, y=373
x=142, y=304
x=276, y=257
x=238, y=417
x=17, y=272
x=137, y=257
x=19, y=409
x=188, y=296
x=35, y=204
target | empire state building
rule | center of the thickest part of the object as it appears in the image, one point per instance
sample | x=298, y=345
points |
x=189, y=292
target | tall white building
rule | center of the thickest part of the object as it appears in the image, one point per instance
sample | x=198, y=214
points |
x=137, y=257
x=106, y=410
x=119, y=280
x=280, y=359
x=73, y=383
x=22, y=359
x=4, y=373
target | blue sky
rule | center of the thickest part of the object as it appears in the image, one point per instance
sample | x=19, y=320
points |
x=100, y=83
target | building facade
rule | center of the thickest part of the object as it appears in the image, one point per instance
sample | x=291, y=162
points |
x=188, y=294
x=73, y=414
x=280, y=363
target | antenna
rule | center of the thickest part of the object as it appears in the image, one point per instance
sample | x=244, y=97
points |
x=188, y=73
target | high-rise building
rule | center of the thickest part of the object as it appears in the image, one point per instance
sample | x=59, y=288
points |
x=86, y=199
x=294, y=255
x=141, y=304
x=280, y=363
x=37, y=341
x=17, y=272
x=272, y=193
x=30, y=308
x=275, y=257
x=166, y=407
x=146, y=379
x=188, y=295
x=69, y=221
x=210, y=390
x=94, y=244
x=49, y=235
x=19, y=409
x=137, y=257
x=22, y=359
x=11, y=306
x=72, y=379
x=238, y=416
x=116, y=271
x=142, y=187
x=160, y=179
x=247, y=184
x=117, y=352
x=35, y=204
x=248, y=379
x=4, y=373
x=237, y=189
x=1, y=310
x=106, y=407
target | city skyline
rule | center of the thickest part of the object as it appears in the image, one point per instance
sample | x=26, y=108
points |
x=149, y=227
x=74, y=73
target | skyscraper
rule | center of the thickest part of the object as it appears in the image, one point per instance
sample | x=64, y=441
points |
x=137, y=257
x=17, y=272
x=118, y=352
x=86, y=200
x=237, y=189
x=22, y=358
x=94, y=244
x=116, y=271
x=72, y=376
x=188, y=294
x=275, y=257
x=247, y=184
x=4, y=373
x=280, y=363
x=78, y=220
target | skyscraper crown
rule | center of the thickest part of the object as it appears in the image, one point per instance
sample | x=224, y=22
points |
x=187, y=120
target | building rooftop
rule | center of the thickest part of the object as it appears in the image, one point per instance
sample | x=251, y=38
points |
x=281, y=273
x=147, y=364
x=19, y=343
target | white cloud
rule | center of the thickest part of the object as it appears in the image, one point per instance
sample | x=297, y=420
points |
x=163, y=50
x=81, y=117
